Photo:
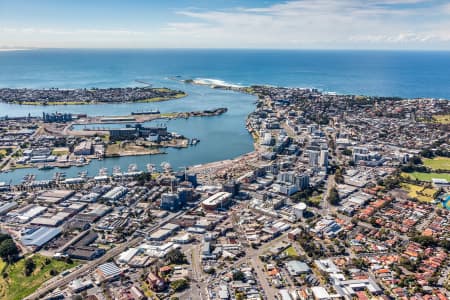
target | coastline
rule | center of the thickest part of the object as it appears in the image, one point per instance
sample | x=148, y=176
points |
x=150, y=100
x=83, y=96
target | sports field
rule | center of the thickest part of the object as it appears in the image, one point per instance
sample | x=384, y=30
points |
x=426, y=176
x=437, y=163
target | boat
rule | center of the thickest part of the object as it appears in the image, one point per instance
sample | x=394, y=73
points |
x=46, y=167
x=166, y=167
x=117, y=170
x=150, y=168
x=59, y=176
x=103, y=172
x=27, y=178
x=195, y=141
x=146, y=112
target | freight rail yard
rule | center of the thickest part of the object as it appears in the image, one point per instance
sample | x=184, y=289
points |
x=344, y=197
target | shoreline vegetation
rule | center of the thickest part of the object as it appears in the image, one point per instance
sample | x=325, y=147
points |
x=53, y=96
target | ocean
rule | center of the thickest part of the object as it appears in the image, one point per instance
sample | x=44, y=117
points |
x=383, y=73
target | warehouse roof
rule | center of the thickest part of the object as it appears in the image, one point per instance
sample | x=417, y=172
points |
x=109, y=270
x=40, y=236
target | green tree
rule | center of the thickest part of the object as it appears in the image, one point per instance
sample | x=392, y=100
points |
x=4, y=236
x=8, y=250
x=416, y=160
x=179, y=285
x=360, y=263
x=175, y=256
x=238, y=275
x=338, y=175
x=333, y=197
x=240, y=296
x=426, y=241
x=427, y=153
x=29, y=266
x=53, y=272
x=445, y=244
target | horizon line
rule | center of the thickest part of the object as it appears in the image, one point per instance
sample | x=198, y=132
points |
x=17, y=49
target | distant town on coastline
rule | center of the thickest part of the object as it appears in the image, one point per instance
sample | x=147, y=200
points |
x=56, y=96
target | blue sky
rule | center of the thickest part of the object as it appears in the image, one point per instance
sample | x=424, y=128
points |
x=302, y=24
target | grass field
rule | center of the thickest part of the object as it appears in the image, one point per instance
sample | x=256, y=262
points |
x=168, y=115
x=419, y=192
x=17, y=286
x=443, y=119
x=316, y=199
x=291, y=252
x=2, y=265
x=437, y=163
x=426, y=176
x=160, y=99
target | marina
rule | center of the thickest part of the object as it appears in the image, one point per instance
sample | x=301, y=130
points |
x=222, y=136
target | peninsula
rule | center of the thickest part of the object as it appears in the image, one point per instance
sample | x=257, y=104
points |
x=55, y=96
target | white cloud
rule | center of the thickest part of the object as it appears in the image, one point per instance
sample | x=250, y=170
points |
x=446, y=8
x=290, y=24
x=322, y=23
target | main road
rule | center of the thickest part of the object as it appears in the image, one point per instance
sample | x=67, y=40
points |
x=252, y=257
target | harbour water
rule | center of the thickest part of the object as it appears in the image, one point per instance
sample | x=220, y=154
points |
x=405, y=74
x=222, y=137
